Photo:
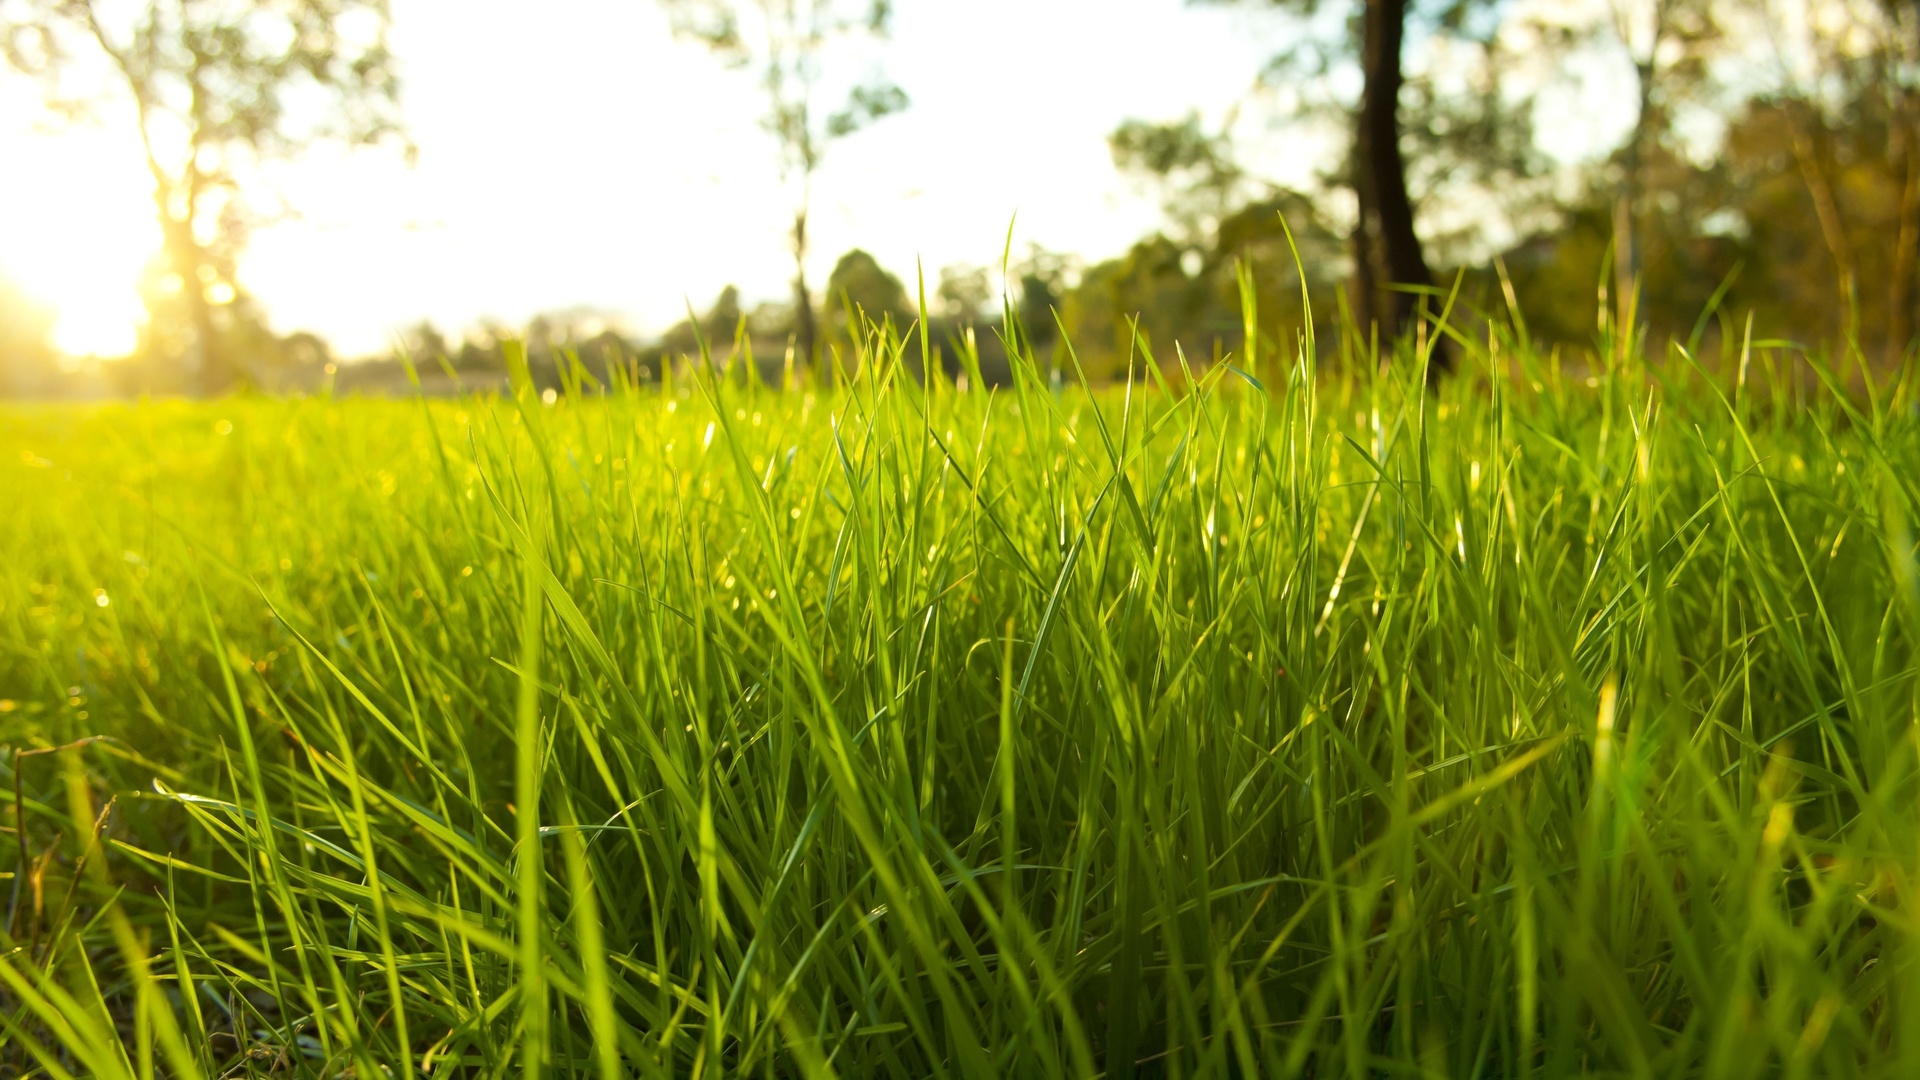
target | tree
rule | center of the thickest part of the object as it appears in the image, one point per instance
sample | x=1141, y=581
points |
x=1388, y=256
x=1860, y=76
x=1188, y=292
x=859, y=281
x=1670, y=47
x=1200, y=176
x=1746, y=218
x=1387, y=250
x=214, y=85
x=1838, y=99
x=1410, y=140
x=783, y=42
x=717, y=328
x=964, y=293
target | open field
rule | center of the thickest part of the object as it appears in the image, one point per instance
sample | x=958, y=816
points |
x=1220, y=726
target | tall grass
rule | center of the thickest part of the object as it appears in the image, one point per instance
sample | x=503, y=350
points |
x=1238, y=722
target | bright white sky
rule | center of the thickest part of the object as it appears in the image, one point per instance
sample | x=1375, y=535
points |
x=573, y=154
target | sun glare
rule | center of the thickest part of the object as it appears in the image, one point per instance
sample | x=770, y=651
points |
x=79, y=230
x=90, y=329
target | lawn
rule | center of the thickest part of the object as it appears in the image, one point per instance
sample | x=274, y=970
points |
x=1241, y=722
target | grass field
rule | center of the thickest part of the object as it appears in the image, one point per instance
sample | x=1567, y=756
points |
x=1230, y=724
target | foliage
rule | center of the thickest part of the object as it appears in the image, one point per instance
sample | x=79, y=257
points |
x=785, y=43
x=213, y=86
x=1197, y=170
x=1801, y=212
x=964, y=292
x=1437, y=152
x=1190, y=292
x=1532, y=725
x=859, y=283
x=1744, y=226
x=782, y=42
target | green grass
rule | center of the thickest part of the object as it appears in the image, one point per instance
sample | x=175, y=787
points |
x=1531, y=725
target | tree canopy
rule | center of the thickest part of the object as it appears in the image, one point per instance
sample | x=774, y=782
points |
x=214, y=87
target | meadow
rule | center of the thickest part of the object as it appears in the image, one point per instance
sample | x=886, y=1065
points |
x=1547, y=719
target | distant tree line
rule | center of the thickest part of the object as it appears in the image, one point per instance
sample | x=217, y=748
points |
x=964, y=311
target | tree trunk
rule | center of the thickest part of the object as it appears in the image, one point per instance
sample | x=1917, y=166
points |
x=208, y=371
x=804, y=327
x=1387, y=248
x=206, y=365
x=1810, y=156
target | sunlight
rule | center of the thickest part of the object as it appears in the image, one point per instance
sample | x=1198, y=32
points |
x=87, y=328
x=89, y=234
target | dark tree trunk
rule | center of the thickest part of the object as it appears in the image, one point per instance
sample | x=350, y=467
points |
x=804, y=328
x=1364, y=288
x=1387, y=250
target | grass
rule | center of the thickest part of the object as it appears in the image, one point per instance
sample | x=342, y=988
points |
x=1252, y=722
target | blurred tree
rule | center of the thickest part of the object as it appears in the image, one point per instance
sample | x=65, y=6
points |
x=423, y=343
x=298, y=362
x=783, y=42
x=964, y=293
x=234, y=326
x=1197, y=170
x=1149, y=283
x=723, y=317
x=1447, y=135
x=304, y=350
x=1809, y=198
x=1387, y=250
x=212, y=84
x=1669, y=43
x=1849, y=96
x=1038, y=283
x=859, y=282
x=717, y=326
x=1189, y=291
x=1808, y=205
x=1670, y=48
x=482, y=349
x=556, y=339
x=1254, y=235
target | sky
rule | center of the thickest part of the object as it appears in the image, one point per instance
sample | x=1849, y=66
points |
x=572, y=154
